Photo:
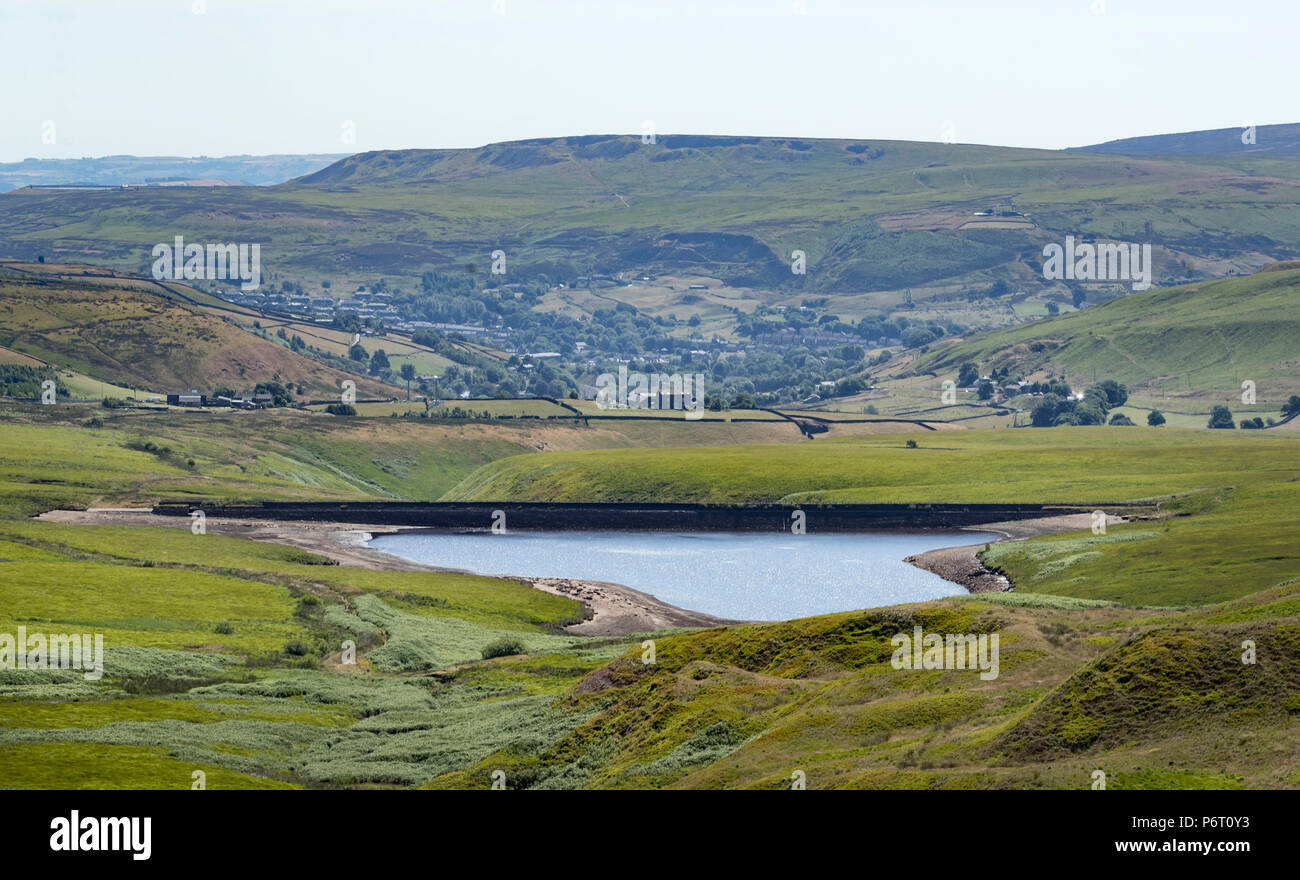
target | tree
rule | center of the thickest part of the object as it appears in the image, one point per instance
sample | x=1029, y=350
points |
x=850, y=386
x=1046, y=410
x=1155, y=418
x=1221, y=417
x=1116, y=394
x=359, y=354
x=1292, y=406
x=1121, y=419
x=379, y=361
x=986, y=391
x=1089, y=412
x=408, y=373
x=968, y=375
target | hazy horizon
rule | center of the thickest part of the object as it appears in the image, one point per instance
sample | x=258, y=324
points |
x=216, y=78
x=345, y=153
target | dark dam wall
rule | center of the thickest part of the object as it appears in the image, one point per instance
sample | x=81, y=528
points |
x=650, y=516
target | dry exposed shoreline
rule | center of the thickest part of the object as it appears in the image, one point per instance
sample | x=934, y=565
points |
x=961, y=565
x=615, y=609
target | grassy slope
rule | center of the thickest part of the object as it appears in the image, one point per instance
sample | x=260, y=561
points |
x=1065, y=466
x=49, y=457
x=1205, y=337
x=137, y=333
x=1156, y=701
x=222, y=653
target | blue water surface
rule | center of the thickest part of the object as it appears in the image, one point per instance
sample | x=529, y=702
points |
x=737, y=575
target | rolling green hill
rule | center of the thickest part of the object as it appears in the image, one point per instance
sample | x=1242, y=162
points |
x=1196, y=341
x=871, y=215
x=1273, y=140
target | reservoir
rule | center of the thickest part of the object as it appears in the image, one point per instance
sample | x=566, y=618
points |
x=736, y=575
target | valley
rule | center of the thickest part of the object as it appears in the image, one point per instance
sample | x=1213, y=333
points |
x=923, y=367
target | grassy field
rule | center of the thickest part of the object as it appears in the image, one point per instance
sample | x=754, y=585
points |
x=1057, y=465
x=1184, y=348
x=222, y=654
x=61, y=454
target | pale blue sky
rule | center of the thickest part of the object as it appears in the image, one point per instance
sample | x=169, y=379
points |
x=151, y=77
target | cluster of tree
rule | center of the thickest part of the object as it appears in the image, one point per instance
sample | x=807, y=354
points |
x=913, y=332
x=281, y=394
x=1098, y=401
x=738, y=400
x=1221, y=417
x=296, y=342
x=17, y=380
x=1050, y=386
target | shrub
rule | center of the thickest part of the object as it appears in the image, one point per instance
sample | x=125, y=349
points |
x=341, y=409
x=224, y=628
x=911, y=444
x=1221, y=417
x=1155, y=418
x=1121, y=419
x=504, y=647
x=296, y=648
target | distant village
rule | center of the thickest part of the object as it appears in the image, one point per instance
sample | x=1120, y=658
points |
x=373, y=306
